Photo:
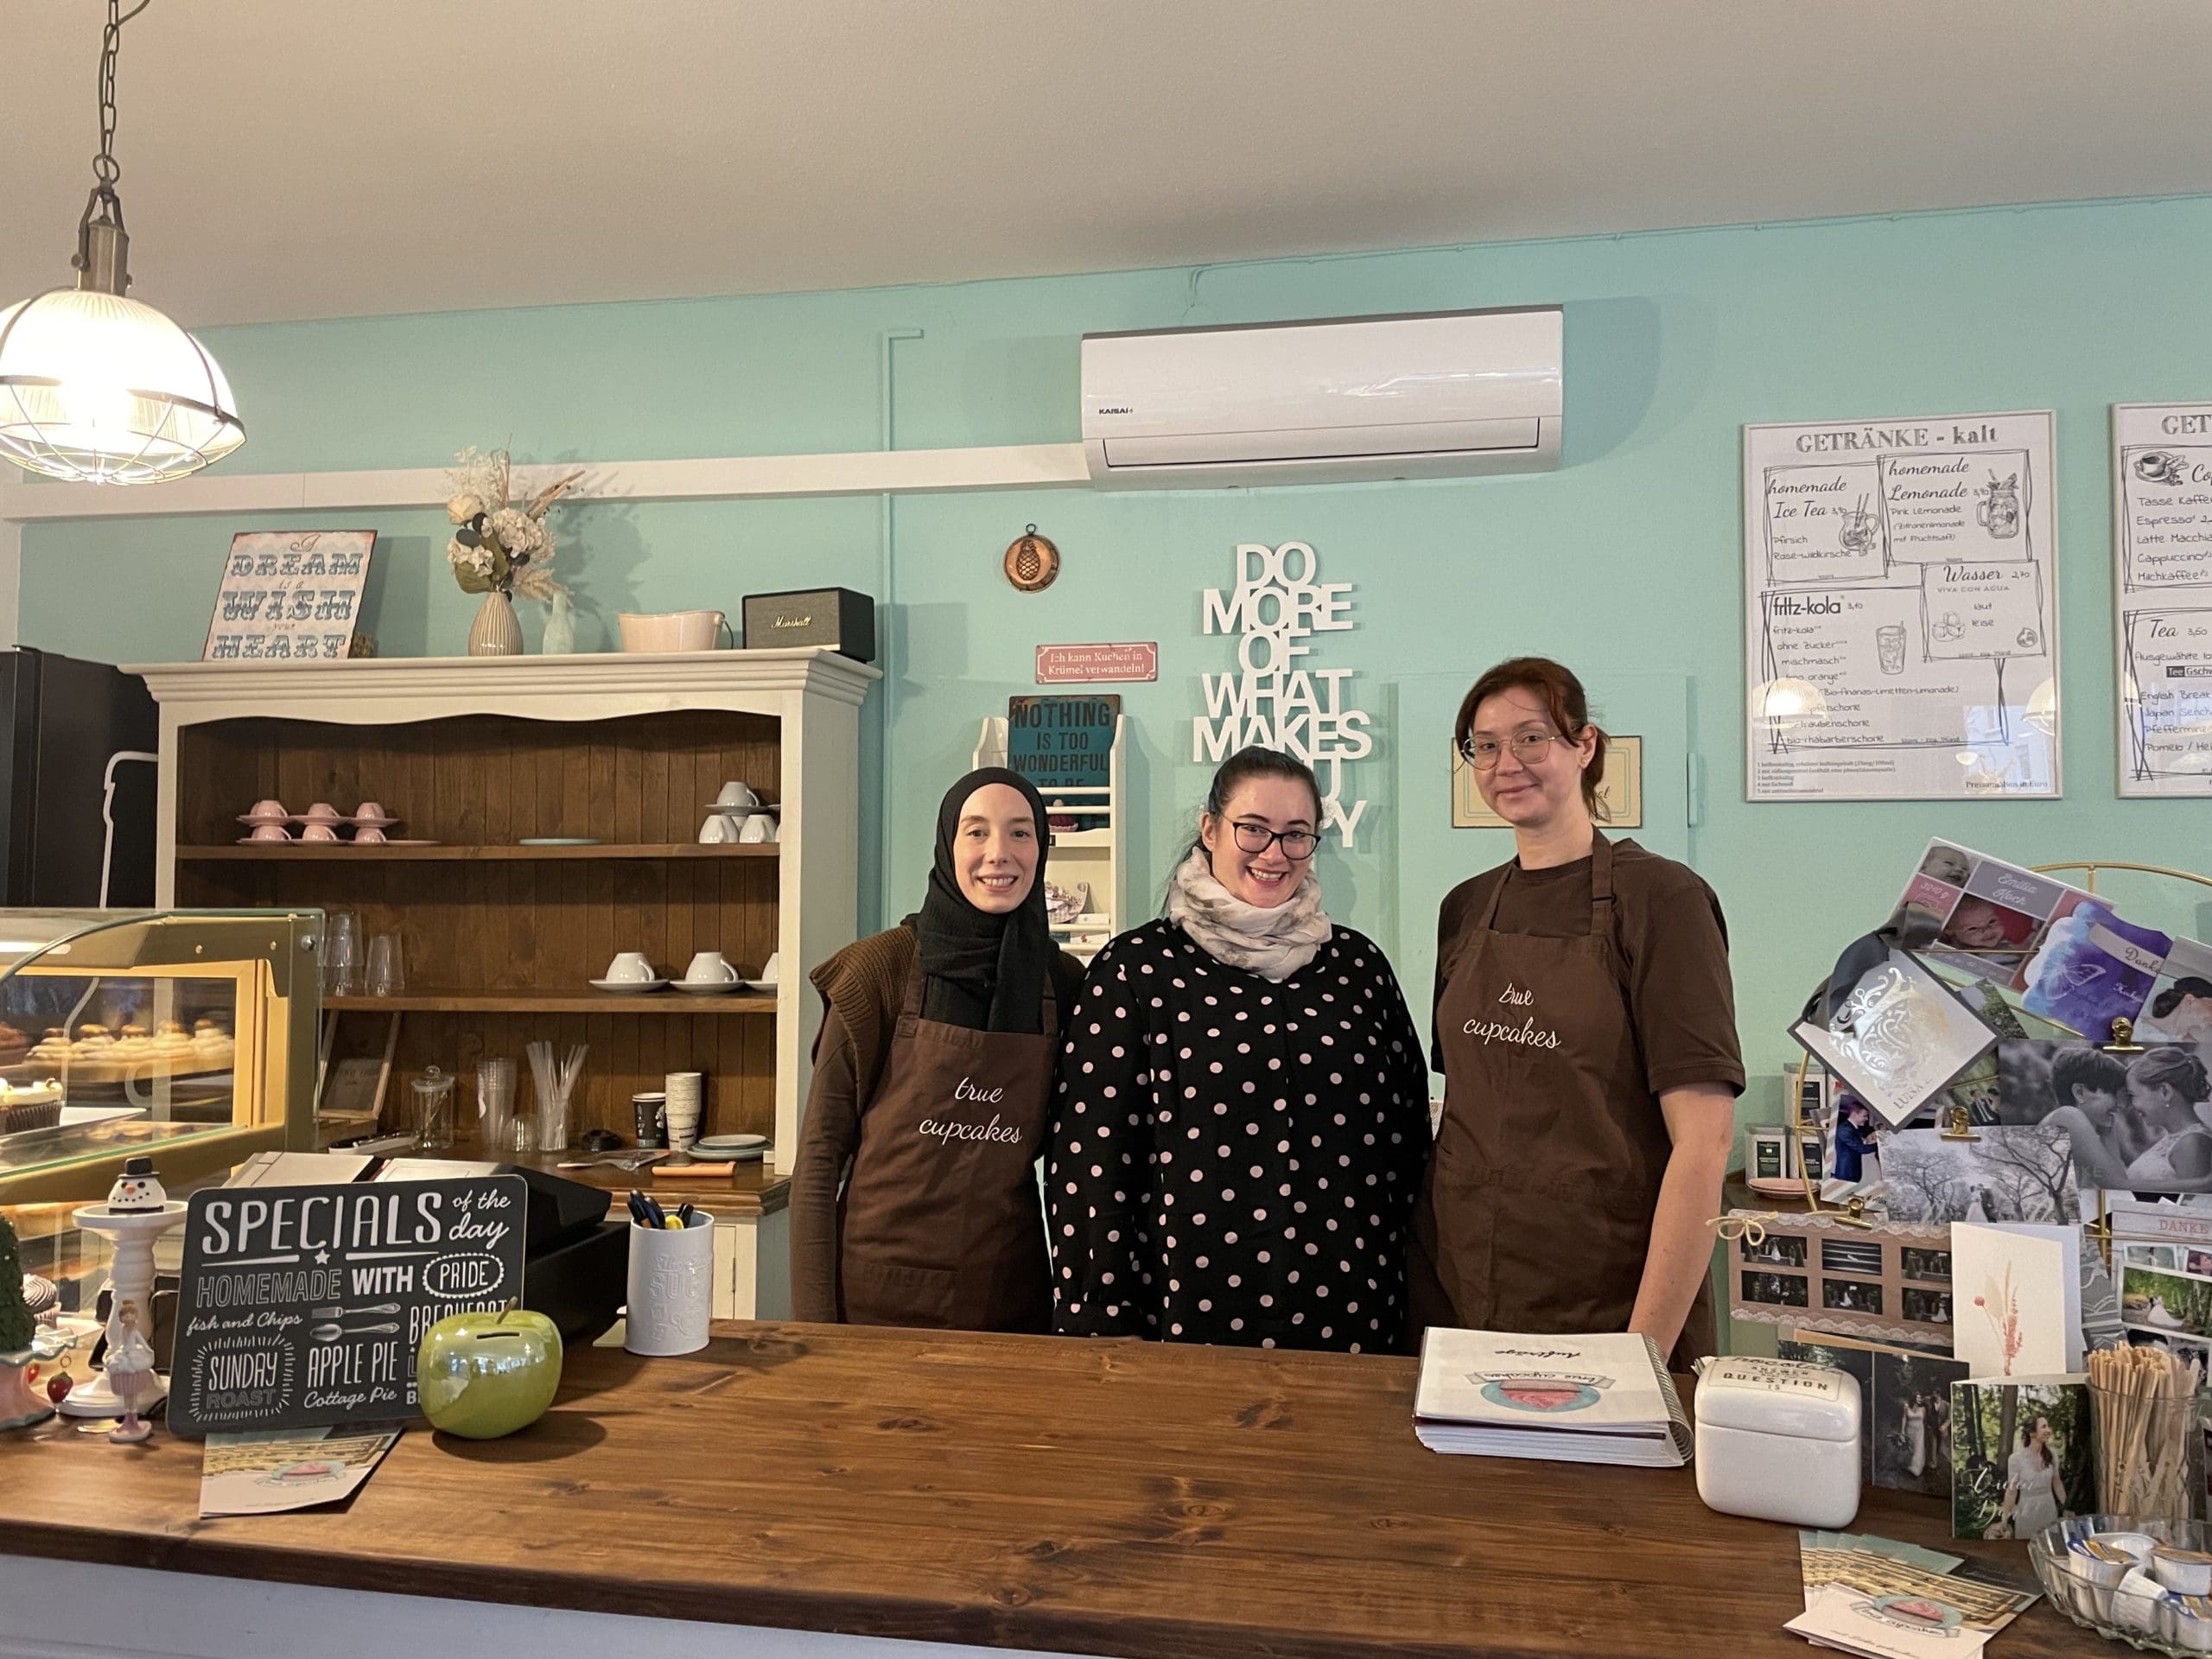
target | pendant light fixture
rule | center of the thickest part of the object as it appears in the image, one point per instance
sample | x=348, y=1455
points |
x=94, y=386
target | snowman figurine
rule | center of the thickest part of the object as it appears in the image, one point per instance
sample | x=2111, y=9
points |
x=137, y=1190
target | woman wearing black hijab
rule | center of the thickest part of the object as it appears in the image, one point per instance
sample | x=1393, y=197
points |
x=933, y=1073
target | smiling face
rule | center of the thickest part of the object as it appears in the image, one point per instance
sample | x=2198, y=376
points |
x=1530, y=792
x=1977, y=926
x=2158, y=1103
x=1266, y=878
x=995, y=849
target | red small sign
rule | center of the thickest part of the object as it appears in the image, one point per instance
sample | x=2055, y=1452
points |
x=1071, y=664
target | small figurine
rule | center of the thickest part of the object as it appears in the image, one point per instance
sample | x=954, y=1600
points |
x=129, y=1367
x=137, y=1190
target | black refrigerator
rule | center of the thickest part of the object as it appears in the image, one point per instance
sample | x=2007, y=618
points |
x=61, y=723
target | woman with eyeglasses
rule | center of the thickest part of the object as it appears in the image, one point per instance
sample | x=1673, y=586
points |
x=1585, y=1027
x=1242, y=1115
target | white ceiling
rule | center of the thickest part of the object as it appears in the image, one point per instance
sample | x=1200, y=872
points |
x=300, y=158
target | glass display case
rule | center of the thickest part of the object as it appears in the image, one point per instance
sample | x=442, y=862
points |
x=188, y=1035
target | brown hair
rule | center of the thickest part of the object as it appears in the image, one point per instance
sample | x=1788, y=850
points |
x=1561, y=695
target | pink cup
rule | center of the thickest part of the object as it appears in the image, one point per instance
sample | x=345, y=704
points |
x=322, y=812
x=371, y=810
x=318, y=832
x=269, y=832
x=267, y=812
x=368, y=837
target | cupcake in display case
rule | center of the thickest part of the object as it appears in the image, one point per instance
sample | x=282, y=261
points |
x=171, y=1042
x=132, y=1045
x=29, y=1105
x=211, y=1044
x=53, y=1048
x=94, y=1042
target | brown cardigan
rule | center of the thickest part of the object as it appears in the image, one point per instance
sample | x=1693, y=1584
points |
x=863, y=988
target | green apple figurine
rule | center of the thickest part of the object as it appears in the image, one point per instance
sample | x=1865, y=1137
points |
x=480, y=1376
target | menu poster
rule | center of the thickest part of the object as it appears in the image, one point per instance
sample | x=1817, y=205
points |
x=2162, y=578
x=1901, y=609
x=305, y=1306
x=287, y=594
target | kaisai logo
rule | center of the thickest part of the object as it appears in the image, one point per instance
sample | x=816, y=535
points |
x=945, y=1129
x=1524, y=1035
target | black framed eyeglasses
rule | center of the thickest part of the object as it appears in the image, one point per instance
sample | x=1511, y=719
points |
x=1298, y=845
x=1481, y=753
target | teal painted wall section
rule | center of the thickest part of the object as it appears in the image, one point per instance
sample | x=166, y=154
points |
x=1625, y=562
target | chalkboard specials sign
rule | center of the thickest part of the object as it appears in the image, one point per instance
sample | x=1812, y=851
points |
x=305, y=1306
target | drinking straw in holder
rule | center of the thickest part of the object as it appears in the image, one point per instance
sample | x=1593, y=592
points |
x=556, y=1082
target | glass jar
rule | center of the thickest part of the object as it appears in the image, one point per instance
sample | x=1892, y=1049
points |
x=434, y=1110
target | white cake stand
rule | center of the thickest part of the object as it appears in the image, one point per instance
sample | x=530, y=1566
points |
x=133, y=1233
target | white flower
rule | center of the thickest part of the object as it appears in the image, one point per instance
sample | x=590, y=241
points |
x=464, y=507
x=520, y=534
x=478, y=559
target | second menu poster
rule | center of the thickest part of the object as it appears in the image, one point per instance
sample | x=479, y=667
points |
x=1901, y=610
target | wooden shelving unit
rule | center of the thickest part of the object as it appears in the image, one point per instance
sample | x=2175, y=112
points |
x=500, y=940
x=347, y=852
x=645, y=1005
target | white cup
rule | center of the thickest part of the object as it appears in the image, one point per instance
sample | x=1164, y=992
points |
x=736, y=797
x=319, y=832
x=707, y=968
x=631, y=968
x=775, y=828
x=717, y=830
x=758, y=826
x=768, y=968
x=671, y=1287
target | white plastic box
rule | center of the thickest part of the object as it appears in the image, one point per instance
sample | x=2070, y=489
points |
x=1778, y=1440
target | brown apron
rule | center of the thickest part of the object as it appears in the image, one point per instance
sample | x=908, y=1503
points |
x=1536, y=1212
x=941, y=1224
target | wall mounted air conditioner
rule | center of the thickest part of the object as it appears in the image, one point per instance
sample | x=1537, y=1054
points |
x=1437, y=396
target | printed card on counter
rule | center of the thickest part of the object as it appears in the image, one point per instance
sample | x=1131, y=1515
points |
x=2016, y=1287
x=301, y=1306
x=1597, y=1399
x=287, y=1469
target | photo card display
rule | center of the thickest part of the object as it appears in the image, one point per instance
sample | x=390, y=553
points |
x=2135, y=1120
x=1904, y=1395
x=1815, y=1272
x=1899, y=1037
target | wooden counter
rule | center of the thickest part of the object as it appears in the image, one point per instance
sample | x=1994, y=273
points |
x=1100, y=1497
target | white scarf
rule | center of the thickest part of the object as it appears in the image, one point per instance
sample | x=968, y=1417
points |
x=1274, y=943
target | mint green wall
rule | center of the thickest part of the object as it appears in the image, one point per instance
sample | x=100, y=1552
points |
x=1626, y=562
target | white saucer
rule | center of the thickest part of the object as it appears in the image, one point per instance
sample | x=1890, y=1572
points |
x=258, y=841
x=772, y=808
x=371, y=823
x=708, y=988
x=758, y=984
x=251, y=821
x=627, y=987
x=728, y=1148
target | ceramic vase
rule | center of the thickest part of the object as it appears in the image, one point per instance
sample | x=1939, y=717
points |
x=495, y=632
x=20, y=1403
x=560, y=627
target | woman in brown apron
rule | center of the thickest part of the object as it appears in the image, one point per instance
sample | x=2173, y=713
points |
x=1586, y=1029
x=932, y=1075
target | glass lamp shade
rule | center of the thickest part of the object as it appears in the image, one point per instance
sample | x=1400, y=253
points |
x=97, y=388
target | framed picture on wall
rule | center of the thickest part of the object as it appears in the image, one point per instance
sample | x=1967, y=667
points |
x=289, y=594
x=1620, y=790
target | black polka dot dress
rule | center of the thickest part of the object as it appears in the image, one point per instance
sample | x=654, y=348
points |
x=1235, y=1161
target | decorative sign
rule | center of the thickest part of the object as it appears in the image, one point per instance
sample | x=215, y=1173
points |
x=2162, y=548
x=303, y=1305
x=287, y=594
x=1901, y=613
x=1074, y=665
x=1271, y=700
x=1620, y=789
x=1066, y=747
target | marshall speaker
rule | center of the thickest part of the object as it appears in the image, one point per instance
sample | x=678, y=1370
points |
x=836, y=617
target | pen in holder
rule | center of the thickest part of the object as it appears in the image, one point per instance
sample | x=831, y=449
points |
x=671, y=1287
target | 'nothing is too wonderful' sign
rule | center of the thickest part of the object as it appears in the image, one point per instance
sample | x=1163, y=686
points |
x=1271, y=700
